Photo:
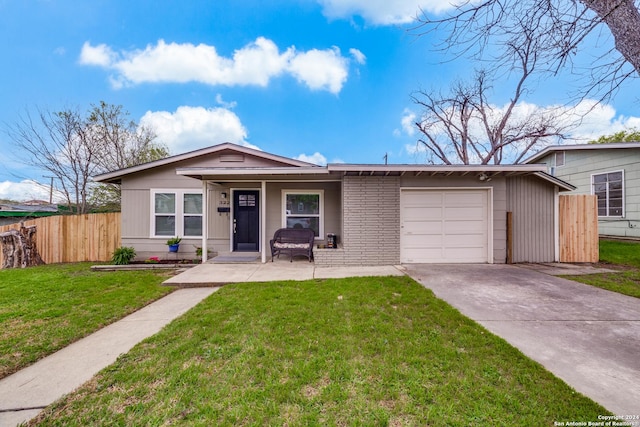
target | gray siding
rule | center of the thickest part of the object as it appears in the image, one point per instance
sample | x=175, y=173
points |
x=332, y=205
x=371, y=223
x=581, y=164
x=533, y=205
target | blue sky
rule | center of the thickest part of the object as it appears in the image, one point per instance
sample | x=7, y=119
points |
x=319, y=80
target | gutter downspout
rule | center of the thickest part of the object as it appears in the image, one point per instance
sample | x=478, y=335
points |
x=205, y=220
x=556, y=224
x=263, y=220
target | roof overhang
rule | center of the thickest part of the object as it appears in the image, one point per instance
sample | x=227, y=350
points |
x=221, y=174
x=337, y=170
x=562, y=185
x=434, y=170
x=581, y=147
x=115, y=177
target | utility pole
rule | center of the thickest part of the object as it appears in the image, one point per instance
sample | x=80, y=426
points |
x=50, y=189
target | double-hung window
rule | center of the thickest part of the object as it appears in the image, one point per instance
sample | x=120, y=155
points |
x=304, y=209
x=609, y=188
x=176, y=213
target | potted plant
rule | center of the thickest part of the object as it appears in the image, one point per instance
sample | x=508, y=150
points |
x=174, y=244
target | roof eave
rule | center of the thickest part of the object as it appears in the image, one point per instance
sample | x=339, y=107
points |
x=562, y=185
x=114, y=177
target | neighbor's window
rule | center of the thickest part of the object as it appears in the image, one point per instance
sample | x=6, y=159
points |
x=176, y=213
x=559, y=158
x=304, y=209
x=609, y=188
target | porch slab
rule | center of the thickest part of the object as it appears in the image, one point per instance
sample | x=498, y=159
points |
x=212, y=274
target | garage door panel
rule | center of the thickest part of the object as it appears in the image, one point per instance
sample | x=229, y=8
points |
x=423, y=241
x=445, y=226
x=464, y=198
x=422, y=213
x=428, y=255
x=468, y=212
x=418, y=198
x=465, y=240
x=462, y=227
x=463, y=255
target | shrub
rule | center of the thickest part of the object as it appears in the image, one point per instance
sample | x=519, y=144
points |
x=123, y=255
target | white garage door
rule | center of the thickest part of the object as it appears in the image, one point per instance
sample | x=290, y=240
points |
x=444, y=226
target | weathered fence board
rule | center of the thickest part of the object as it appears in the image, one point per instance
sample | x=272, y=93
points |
x=579, y=228
x=75, y=238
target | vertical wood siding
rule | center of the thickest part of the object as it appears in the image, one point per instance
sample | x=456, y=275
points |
x=532, y=204
x=75, y=238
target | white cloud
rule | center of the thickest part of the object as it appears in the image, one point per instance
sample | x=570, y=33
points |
x=407, y=122
x=599, y=120
x=101, y=55
x=24, y=190
x=190, y=128
x=320, y=69
x=382, y=12
x=315, y=158
x=358, y=56
x=254, y=64
x=225, y=104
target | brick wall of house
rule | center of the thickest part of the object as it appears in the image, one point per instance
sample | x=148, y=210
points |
x=371, y=223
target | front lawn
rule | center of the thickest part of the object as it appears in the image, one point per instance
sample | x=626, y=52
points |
x=357, y=351
x=617, y=253
x=43, y=309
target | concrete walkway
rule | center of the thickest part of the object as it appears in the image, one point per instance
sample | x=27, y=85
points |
x=24, y=394
x=221, y=274
x=586, y=336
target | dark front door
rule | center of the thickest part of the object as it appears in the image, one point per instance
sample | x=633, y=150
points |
x=246, y=221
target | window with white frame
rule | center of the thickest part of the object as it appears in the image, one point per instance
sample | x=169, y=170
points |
x=176, y=213
x=303, y=209
x=609, y=188
x=559, y=158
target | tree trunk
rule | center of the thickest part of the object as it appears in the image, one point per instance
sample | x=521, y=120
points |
x=19, y=248
x=623, y=19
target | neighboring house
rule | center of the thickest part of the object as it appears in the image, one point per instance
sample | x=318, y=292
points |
x=610, y=171
x=229, y=198
x=13, y=213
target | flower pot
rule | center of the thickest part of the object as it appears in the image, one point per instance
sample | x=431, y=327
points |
x=174, y=248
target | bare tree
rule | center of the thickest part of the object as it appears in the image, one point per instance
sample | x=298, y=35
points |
x=561, y=27
x=465, y=127
x=73, y=148
x=59, y=144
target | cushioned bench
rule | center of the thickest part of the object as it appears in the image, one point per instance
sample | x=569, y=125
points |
x=292, y=241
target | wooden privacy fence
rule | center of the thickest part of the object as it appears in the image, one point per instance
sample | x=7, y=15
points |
x=75, y=238
x=579, y=228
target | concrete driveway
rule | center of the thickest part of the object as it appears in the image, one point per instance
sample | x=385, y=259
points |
x=588, y=337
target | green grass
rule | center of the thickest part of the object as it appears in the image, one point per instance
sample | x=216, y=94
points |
x=43, y=309
x=617, y=253
x=358, y=351
x=621, y=253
